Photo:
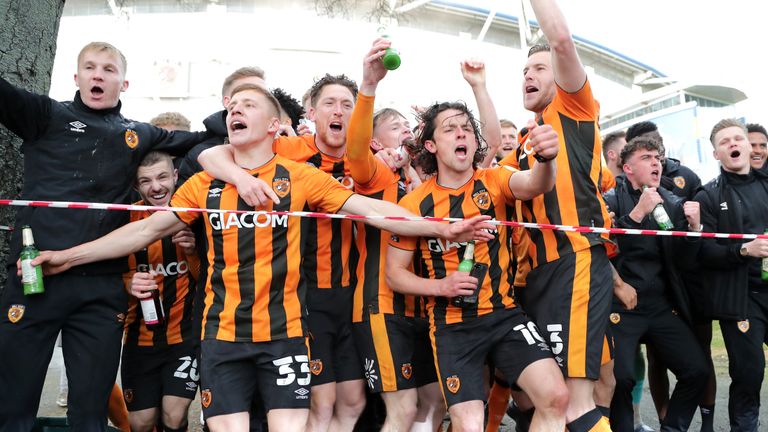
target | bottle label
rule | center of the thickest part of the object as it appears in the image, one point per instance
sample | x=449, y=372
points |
x=662, y=218
x=765, y=265
x=149, y=311
x=28, y=272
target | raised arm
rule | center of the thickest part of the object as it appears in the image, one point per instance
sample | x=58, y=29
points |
x=24, y=113
x=473, y=72
x=118, y=243
x=401, y=279
x=541, y=178
x=475, y=228
x=566, y=65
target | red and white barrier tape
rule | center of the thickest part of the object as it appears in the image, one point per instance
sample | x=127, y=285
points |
x=5, y=228
x=579, y=229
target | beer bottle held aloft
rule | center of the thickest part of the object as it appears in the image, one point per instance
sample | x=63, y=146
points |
x=152, y=306
x=661, y=217
x=465, y=266
x=391, y=58
x=765, y=264
x=31, y=276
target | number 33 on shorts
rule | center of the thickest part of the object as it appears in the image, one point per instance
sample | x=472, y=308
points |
x=285, y=368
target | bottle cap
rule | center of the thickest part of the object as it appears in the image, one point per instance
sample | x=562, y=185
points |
x=26, y=236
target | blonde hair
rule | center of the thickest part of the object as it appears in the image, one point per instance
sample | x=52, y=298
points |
x=172, y=119
x=101, y=47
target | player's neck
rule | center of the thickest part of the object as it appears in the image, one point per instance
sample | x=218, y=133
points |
x=452, y=179
x=254, y=155
x=337, y=152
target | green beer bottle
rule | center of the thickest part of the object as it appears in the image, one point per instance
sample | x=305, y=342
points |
x=661, y=217
x=31, y=276
x=465, y=266
x=391, y=58
x=765, y=264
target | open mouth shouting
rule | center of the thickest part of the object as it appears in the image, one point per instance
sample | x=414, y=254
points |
x=97, y=91
x=461, y=151
x=237, y=125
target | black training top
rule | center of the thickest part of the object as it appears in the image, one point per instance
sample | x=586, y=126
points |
x=75, y=153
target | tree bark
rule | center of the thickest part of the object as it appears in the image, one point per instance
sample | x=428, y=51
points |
x=27, y=49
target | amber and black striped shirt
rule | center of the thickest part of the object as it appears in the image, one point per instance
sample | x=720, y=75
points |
x=576, y=198
x=330, y=257
x=486, y=193
x=176, y=273
x=253, y=291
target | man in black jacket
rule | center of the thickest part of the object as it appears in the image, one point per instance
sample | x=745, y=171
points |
x=648, y=264
x=83, y=150
x=733, y=290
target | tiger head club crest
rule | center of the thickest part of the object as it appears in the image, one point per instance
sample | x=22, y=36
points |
x=679, y=181
x=281, y=186
x=615, y=318
x=482, y=199
x=743, y=326
x=131, y=138
x=316, y=367
x=206, y=398
x=128, y=395
x=406, y=370
x=453, y=384
x=15, y=312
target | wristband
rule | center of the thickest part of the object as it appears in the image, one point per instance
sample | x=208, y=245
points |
x=542, y=159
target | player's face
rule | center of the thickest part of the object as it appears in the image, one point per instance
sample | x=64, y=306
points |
x=508, y=141
x=101, y=78
x=392, y=132
x=156, y=183
x=454, y=141
x=251, y=118
x=644, y=168
x=331, y=114
x=759, y=153
x=733, y=150
x=538, y=82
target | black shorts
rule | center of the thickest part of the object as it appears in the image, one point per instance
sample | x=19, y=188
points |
x=332, y=346
x=232, y=372
x=570, y=300
x=149, y=373
x=395, y=352
x=506, y=337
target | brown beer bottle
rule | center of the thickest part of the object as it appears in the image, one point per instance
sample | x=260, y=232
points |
x=152, y=306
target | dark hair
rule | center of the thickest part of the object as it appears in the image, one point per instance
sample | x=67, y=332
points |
x=243, y=87
x=639, y=143
x=539, y=48
x=329, y=79
x=154, y=157
x=611, y=139
x=638, y=129
x=290, y=106
x=427, y=160
x=756, y=127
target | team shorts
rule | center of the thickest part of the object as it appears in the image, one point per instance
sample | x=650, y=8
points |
x=148, y=373
x=395, y=352
x=332, y=346
x=570, y=300
x=505, y=337
x=232, y=372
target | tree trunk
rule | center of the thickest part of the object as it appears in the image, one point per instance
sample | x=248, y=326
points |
x=27, y=48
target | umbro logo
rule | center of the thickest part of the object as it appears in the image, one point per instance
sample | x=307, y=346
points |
x=301, y=393
x=214, y=192
x=724, y=205
x=78, y=126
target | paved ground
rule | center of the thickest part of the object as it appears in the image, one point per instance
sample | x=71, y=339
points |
x=49, y=408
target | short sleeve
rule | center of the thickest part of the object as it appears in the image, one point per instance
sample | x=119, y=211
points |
x=187, y=197
x=324, y=193
x=405, y=242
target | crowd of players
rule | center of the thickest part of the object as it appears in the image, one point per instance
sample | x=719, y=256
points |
x=292, y=323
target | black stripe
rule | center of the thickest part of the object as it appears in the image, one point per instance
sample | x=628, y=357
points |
x=494, y=268
x=309, y=250
x=427, y=208
x=160, y=338
x=278, y=319
x=582, y=151
x=132, y=338
x=372, y=264
x=316, y=160
x=246, y=283
x=337, y=267
x=457, y=211
x=217, y=282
